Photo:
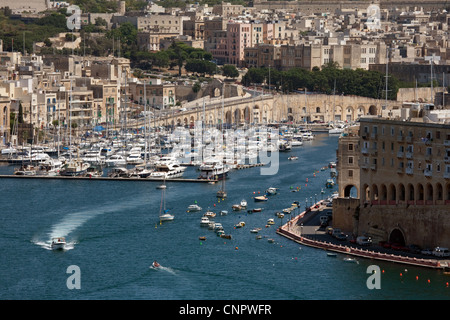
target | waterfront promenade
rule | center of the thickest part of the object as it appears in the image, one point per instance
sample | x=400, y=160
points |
x=299, y=230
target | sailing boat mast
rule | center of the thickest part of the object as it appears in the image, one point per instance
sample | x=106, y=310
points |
x=222, y=193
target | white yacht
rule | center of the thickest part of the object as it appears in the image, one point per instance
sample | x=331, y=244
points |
x=135, y=158
x=116, y=160
x=167, y=168
x=213, y=169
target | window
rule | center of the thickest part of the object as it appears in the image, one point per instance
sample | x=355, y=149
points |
x=350, y=160
x=350, y=173
x=350, y=147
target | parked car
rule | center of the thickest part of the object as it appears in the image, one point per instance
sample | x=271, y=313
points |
x=336, y=231
x=426, y=252
x=341, y=236
x=441, y=252
x=414, y=248
x=364, y=241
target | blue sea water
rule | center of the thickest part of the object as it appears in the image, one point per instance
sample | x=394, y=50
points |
x=114, y=235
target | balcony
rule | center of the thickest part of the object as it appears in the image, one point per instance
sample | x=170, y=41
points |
x=400, y=170
x=409, y=171
x=447, y=159
x=447, y=175
x=400, y=154
x=400, y=138
x=409, y=139
x=409, y=155
x=373, y=167
x=364, y=150
x=428, y=172
x=447, y=143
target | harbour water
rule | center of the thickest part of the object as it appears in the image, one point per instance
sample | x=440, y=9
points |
x=113, y=234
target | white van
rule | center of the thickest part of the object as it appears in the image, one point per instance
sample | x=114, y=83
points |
x=441, y=252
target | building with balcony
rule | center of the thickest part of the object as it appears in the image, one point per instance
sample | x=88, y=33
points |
x=405, y=182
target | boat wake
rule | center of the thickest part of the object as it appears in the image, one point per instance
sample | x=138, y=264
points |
x=73, y=221
x=163, y=269
x=48, y=244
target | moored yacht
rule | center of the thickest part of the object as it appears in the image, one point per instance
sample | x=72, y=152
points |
x=76, y=167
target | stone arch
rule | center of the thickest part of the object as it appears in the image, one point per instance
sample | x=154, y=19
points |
x=429, y=192
x=365, y=194
x=229, y=117
x=401, y=192
x=178, y=122
x=373, y=110
x=410, y=192
x=439, y=192
x=375, y=195
x=397, y=236
x=185, y=121
x=349, y=113
x=420, y=192
x=361, y=111
x=237, y=116
x=351, y=191
x=191, y=121
x=383, y=192
x=392, y=192
x=247, y=115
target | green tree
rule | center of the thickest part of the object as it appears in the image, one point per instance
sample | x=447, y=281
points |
x=230, y=71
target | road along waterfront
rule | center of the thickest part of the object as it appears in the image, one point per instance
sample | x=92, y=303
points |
x=296, y=231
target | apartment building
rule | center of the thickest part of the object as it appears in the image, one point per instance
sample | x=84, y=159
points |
x=405, y=181
x=263, y=55
x=350, y=55
x=153, y=93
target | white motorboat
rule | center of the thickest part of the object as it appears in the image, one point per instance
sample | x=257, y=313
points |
x=270, y=221
x=76, y=167
x=213, y=170
x=51, y=167
x=167, y=170
x=243, y=203
x=204, y=222
x=271, y=191
x=135, y=158
x=116, y=160
x=58, y=243
x=194, y=208
x=94, y=157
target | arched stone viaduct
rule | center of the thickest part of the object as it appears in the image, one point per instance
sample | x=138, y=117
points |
x=264, y=109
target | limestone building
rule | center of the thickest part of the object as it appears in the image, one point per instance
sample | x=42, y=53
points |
x=404, y=184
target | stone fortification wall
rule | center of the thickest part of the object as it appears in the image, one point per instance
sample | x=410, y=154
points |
x=418, y=224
